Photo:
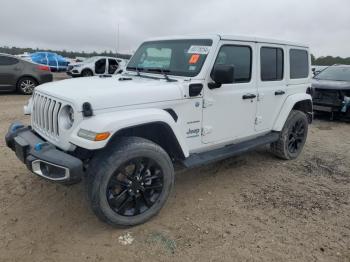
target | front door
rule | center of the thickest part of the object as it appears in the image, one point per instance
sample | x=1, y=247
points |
x=229, y=111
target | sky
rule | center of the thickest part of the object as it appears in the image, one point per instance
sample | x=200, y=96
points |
x=91, y=25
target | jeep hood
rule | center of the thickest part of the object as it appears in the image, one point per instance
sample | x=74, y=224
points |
x=109, y=92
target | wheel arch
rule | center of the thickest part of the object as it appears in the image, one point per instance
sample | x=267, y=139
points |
x=158, y=132
x=302, y=102
x=26, y=75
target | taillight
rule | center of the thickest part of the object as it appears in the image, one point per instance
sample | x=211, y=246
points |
x=43, y=68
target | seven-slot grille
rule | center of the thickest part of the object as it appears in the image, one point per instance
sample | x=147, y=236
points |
x=45, y=114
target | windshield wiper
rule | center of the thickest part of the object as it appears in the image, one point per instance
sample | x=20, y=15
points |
x=137, y=69
x=163, y=72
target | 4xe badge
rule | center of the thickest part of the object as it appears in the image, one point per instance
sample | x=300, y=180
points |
x=193, y=132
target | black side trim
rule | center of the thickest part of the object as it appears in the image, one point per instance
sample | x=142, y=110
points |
x=172, y=113
x=195, y=160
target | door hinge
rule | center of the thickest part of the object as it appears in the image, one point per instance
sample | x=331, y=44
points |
x=260, y=96
x=206, y=130
x=258, y=120
x=207, y=103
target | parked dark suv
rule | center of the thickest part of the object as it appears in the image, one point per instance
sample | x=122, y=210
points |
x=331, y=90
x=20, y=75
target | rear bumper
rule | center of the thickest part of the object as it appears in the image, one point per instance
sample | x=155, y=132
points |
x=45, y=78
x=41, y=157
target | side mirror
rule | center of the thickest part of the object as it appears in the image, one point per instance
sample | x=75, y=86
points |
x=222, y=74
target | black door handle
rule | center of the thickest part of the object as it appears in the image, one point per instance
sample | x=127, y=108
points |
x=248, y=96
x=279, y=93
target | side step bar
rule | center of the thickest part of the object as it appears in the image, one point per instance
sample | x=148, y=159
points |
x=195, y=160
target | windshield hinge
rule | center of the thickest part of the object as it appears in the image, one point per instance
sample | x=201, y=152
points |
x=207, y=103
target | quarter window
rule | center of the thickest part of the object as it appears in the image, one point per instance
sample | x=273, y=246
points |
x=6, y=61
x=238, y=56
x=271, y=62
x=299, y=63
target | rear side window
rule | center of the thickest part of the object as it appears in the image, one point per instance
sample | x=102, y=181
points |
x=5, y=61
x=271, y=62
x=238, y=56
x=299, y=63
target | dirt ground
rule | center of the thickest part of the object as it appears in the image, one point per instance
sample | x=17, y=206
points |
x=250, y=208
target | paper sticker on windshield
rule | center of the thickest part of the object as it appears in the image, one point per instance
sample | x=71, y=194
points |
x=194, y=59
x=197, y=49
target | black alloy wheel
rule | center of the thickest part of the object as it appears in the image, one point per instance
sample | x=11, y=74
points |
x=135, y=187
x=296, y=136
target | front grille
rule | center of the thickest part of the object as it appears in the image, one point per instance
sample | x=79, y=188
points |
x=329, y=97
x=70, y=68
x=45, y=114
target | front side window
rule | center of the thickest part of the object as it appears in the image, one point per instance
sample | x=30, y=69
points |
x=271, y=63
x=238, y=56
x=173, y=57
x=299, y=63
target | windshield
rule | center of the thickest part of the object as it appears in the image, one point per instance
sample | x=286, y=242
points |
x=173, y=57
x=335, y=73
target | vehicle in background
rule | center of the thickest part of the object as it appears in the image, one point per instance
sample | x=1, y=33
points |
x=331, y=90
x=56, y=62
x=97, y=65
x=317, y=69
x=21, y=75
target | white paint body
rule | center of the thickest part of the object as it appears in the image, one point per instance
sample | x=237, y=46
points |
x=219, y=115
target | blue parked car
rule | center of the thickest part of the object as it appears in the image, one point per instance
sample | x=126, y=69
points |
x=56, y=62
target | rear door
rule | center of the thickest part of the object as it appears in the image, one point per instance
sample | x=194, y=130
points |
x=10, y=70
x=229, y=111
x=272, y=82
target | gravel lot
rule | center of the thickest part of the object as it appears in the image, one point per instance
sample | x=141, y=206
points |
x=250, y=208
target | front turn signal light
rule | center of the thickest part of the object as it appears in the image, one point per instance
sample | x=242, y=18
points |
x=89, y=135
x=102, y=136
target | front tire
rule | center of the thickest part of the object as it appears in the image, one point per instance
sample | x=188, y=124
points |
x=87, y=73
x=293, y=136
x=129, y=181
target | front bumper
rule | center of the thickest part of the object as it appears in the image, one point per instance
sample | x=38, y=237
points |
x=41, y=157
x=73, y=73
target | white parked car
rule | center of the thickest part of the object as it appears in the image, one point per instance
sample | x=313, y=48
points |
x=190, y=100
x=97, y=65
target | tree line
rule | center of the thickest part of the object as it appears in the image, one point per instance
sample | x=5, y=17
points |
x=329, y=60
x=64, y=53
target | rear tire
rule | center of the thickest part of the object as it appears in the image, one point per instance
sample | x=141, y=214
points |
x=26, y=85
x=293, y=136
x=129, y=181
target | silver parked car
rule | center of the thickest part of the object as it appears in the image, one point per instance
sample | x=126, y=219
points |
x=21, y=75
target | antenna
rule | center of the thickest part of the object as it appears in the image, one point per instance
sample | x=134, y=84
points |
x=117, y=39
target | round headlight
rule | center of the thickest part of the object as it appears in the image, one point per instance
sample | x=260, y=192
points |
x=67, y=117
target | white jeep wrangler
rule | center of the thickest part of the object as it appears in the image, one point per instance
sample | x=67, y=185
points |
x=191, y=100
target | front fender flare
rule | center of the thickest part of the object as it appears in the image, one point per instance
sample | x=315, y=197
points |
x=287, y=107
x=116, y=121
